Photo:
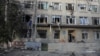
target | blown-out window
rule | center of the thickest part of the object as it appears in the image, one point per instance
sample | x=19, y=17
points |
x=41, y=33
x=69, y=6
x=95, y=20
x=70, y=20
x=27, y=17
x=42, y=19
x=82, y=7
x=56, y=6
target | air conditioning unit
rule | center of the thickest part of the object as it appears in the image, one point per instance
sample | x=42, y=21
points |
x=51, y=5
x=90, y=9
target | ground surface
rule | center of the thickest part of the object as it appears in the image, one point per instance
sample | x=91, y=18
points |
x=45, y=53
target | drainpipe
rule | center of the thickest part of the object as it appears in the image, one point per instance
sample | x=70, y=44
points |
x=35, y=21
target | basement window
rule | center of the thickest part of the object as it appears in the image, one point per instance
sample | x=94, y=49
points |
x=42, y=19
x=42, y=33
x=56, y=34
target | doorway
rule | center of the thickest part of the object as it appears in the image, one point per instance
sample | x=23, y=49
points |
x=71, y=35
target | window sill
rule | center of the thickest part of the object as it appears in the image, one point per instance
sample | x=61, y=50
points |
x=83, y=24
x=71, y=24
x=42, y=23
x=42, y=9
x=56, y=10
x=95, y=12
x=97, y=39
x=83, y=11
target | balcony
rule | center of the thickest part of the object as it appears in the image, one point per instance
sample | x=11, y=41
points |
x=68, y=26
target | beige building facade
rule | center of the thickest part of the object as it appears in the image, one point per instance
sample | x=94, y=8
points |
x=63, y=21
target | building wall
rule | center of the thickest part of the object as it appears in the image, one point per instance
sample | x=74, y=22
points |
x=73, y=47
x=49, y=12
x=63, y=12
x=64, y=36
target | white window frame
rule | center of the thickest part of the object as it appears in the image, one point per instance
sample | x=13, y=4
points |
x=45, y=5
x=93, y=8
x=84, y=20
x=54, y=19
x=68, y=18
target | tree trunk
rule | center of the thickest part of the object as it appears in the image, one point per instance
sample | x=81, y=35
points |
x=5, y=45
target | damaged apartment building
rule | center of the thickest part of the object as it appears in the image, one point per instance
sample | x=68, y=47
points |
x=62, y=21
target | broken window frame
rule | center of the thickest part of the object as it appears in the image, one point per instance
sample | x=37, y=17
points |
x=56, y=5
x=82, y=7
x=42, y=19
x=68, y=7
